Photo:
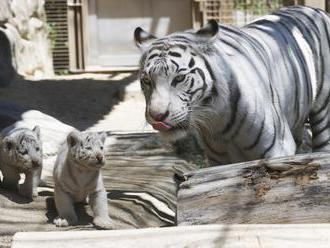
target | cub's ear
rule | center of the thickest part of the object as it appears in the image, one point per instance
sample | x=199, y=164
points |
x=7, y=144
x=103, y=136
x=73, y=138
x=209, y=31
x=142, y=38
x=36, y=130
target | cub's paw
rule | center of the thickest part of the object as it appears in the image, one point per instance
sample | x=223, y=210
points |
x=62, y=222
x=59, y=222
x=103, y=222
x=35, y=194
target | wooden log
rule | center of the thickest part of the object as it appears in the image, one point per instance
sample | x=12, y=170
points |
x=224, y=236
x=284, y=190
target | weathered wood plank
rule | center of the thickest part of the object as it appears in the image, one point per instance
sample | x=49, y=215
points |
x=224, y=236
x=284, y=190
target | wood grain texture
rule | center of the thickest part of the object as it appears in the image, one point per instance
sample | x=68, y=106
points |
x=140, y=181
x=284, y=190
x=207, y=236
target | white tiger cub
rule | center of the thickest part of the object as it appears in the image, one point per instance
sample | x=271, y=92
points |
x=21, y=152
x=77, y=175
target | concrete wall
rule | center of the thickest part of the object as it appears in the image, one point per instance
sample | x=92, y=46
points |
x=316, y=3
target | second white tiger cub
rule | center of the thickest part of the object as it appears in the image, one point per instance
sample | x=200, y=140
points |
x=77, y=175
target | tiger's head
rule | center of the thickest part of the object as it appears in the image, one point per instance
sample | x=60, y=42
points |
x=176, y=78
x=23, y=149
x=86, y=149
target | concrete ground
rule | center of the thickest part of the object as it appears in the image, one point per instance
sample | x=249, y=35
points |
x=127, y=115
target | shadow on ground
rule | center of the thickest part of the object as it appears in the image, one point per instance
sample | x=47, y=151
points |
x=80, y=102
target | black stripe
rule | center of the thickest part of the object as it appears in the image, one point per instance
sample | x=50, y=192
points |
x=174, y=82
x=314, y=121
x=208, y=67
x=191, y=63
x=192, y=82
x=255, y=143
x=239, y=125
x=174, y=54
x=176, y=64
x=152, y=56
x=200, y=72
x=319, y=131
x=325, y=104
x=322, y=144
x=184, y=99
x=235, y=96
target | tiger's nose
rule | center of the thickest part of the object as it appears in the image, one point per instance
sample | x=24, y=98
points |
x=35, y=163
x=99, y=158
x=159, y=116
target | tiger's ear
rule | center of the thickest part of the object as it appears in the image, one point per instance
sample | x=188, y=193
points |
x=36, y=130
x=73, y=138
x=103, y=136
x=142, y=38
x=209, y=31
x=8, y=144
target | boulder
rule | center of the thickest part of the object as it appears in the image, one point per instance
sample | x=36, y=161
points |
x=24, y=23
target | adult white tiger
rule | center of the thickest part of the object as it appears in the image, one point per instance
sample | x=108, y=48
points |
x=246, y=91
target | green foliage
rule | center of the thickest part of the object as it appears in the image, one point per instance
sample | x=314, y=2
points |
x=52, y=33
x=62, y=72
x=258, y=7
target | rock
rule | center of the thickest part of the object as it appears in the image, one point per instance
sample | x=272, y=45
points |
x=28, y=33
x=5, y=12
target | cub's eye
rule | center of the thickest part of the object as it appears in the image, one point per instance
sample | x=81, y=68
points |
x=37, y=149
x=101, y=147
x=88, y=148
x=146, y=80
x=179, y=78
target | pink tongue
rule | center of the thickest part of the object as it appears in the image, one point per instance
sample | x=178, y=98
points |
x=161, y=126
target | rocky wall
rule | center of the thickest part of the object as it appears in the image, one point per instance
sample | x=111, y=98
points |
x=24, y=23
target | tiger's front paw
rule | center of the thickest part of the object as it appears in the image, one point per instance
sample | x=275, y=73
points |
x=103, y=222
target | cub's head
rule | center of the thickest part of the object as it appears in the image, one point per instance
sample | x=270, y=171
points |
x=87, y=149
x=23, y=149
x=176, y=78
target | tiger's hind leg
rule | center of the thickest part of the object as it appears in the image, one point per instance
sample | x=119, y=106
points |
x=320, y=125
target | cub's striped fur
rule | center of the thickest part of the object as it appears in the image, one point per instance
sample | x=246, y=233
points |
x=77, y=175
x=246, y=91
x=21, y=153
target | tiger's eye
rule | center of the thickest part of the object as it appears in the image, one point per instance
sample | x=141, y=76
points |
x=146, y=80
x=179, y=78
